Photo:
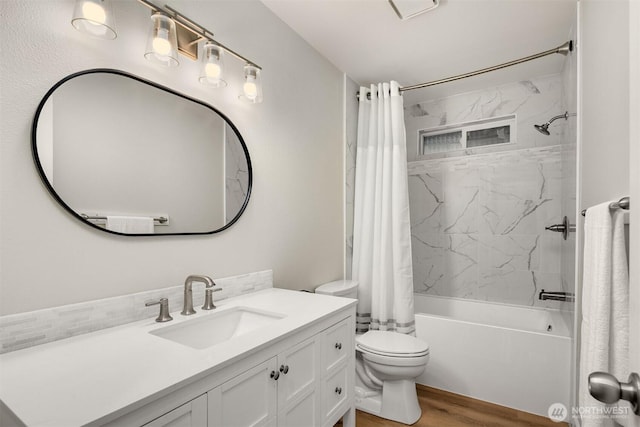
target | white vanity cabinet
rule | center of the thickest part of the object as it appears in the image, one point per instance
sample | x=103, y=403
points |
x=283, y=391
x=297, y=370
x=308, y=385
x=306, y=380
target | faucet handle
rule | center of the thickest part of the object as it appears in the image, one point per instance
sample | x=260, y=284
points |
x=208, y=298
x=164, y=315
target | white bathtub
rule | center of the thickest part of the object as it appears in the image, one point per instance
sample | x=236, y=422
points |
x=513, y=356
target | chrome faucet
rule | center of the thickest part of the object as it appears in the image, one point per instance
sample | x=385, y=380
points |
x=187, y=308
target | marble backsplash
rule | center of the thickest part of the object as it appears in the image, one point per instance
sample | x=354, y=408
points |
x=22, y=330
x=477, y=225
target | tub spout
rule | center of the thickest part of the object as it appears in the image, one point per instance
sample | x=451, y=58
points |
x=556, y=296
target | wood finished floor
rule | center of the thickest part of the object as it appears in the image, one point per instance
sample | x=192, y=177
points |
x=444, y=409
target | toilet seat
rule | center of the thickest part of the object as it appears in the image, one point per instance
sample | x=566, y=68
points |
x=391, y=344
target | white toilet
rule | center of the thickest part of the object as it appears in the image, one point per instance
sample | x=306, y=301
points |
x=387, y=364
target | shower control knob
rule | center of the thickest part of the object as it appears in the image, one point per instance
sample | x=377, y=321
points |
x=607, y=389
x=339, y=345
x=338, y=390
x=565, y=228
x=275, y=375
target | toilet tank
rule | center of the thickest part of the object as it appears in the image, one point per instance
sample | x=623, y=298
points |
x=339, y=288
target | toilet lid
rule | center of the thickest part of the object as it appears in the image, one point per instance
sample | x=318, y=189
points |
x=387, y=343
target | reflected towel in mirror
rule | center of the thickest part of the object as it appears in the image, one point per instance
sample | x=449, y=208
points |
x=130, y=224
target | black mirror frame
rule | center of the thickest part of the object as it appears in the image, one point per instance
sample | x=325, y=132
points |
x=43, y=177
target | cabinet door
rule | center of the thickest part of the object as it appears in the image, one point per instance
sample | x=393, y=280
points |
x=299, y=385
x=336, y=345
x=247, y=400
x=336, y=392
x=191, y=414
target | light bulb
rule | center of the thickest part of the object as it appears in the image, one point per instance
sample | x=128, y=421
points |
x=212, y=70
x=252, y=87
x=93, y=17
x=161, y=44
x=94, y=13
x=250, y=90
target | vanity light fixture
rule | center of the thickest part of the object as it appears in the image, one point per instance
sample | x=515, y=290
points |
x=189, y=35
x=162, y=43
x=252, y=87
x=212, y=73
x=94, y=18
x=171, y=33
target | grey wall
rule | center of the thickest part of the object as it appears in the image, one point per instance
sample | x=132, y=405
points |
x=294, y=221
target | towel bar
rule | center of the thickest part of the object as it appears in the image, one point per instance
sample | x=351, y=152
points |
x=161, y=220
x=624, y=203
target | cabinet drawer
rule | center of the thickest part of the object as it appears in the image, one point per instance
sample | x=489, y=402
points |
x=191, y=414
x=336, y=345
x=335, y=393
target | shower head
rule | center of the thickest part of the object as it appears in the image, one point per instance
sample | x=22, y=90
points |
x=544, y=128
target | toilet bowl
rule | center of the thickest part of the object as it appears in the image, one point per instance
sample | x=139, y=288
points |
x=387, y=364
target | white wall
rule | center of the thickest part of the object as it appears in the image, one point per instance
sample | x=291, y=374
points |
x=604, y=116
x=294, y=221
x=603, y=112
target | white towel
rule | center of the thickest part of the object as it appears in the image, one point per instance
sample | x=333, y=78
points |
x=130, y=224
x=604, y=342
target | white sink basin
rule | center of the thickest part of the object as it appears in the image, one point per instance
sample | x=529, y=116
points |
x=217, y=327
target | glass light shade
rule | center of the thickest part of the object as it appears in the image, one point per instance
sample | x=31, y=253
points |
x=212, y=72
x=252, y=87
x=94, y=18
x=162, y=43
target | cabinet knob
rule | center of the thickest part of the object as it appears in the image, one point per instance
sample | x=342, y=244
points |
x=275, y=375
x=284, y=369
x=338, y=390
x=338, y=345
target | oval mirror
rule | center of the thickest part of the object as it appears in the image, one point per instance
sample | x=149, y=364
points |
x=128, y=156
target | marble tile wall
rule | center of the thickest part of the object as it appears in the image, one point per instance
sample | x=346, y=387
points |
x=351, y=134
x=28, y=329
x=478, y=215
x=533, y=101
x=236, y=175
x=477, y=225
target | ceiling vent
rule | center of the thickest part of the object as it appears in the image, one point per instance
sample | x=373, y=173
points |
x=406, y=9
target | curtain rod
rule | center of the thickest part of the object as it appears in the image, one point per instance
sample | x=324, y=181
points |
x=563, y=49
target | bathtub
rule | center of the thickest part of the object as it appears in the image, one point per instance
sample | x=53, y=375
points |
x=514, y=356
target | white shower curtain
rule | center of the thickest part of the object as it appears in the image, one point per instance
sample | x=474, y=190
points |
x=381, y=227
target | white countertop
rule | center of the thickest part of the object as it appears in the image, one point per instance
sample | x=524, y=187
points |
x=82, y=379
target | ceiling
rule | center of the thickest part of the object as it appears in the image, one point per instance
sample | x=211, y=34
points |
x=367, y=40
